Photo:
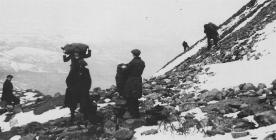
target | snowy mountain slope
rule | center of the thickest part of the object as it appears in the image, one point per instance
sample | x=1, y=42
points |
x=235, y=22
x=182, y=103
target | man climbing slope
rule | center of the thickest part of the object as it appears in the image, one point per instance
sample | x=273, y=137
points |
x=211, y=31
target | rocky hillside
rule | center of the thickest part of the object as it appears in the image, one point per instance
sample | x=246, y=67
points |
x=227, y=92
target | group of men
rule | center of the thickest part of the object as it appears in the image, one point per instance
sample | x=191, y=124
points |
x=128, y=80
x=211, y=31
x=129, y=84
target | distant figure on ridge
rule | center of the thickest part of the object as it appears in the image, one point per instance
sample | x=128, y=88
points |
x=7, y=95
x=185, y=46
x=133, y=86
x=211, y=31
x=121, y=78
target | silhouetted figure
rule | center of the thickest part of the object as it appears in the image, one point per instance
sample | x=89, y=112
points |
x=133, y=86
x=121, y=78
x=7, y=95
x=77, y=91
x=211, y=31
x=185, y=46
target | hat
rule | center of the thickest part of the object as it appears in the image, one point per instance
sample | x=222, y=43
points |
x=136, y=52
x=9, y=76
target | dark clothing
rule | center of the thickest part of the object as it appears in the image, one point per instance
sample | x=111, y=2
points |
x=135, y=67
x=185, y=46
x=134, y=71
x=79, y=84
x=133, y=106
x=215, y=41
x=121, y=78
x=133, y=86
x=7, y=94
x=211, y=31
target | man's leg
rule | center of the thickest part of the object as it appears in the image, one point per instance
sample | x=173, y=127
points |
x=216, y=39
x=209, y=43
x=15, y=100
x=72, y=111
x=134, y=107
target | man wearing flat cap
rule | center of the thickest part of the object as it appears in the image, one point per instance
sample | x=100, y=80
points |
x=133, y=86
x=7, y=95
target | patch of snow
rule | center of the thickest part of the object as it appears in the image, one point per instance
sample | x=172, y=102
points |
x=16, y=137
x=259, y=133
x=251, y=119
x=254, y=71
x=21, y=119
x=105, y=104
x=212, y=102
x=232, y=115
x=107, y=100
x=197, y=112
x=254, y=15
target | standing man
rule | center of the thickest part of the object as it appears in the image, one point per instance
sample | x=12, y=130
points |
x=7, y=94
x=185, y=46
x=133, y=86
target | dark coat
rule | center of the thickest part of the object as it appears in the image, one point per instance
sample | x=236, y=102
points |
x=185, y=45
x=121, y=78
x=134, y=71
x=7, y=94
x=211, y=30
x=79, y=84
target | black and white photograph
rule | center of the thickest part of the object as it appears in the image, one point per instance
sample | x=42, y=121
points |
x=137, y=69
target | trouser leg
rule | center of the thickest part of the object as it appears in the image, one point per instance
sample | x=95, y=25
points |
x=209, y=42
x=133, y=106
x=216, y=39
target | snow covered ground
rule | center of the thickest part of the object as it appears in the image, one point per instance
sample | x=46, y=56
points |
x=258, y=134
x=21, y=119
x=253, y=71
x=202, y=44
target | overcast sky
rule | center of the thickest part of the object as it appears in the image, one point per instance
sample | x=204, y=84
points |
x=114, y=27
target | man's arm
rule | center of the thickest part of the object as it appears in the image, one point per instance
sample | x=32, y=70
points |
x=66, y=58
x=88, y=54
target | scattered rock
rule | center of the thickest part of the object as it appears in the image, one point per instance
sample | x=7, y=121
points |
x=150, y=132
x=187, y=106
x=261, y=86
x=214, y=94
x=236, y=135
x=109, y=127
x=28, y=137
x=271, y=137
x=44, y=107
x=244, y=113
x=133, y=123
x=124, y=134
x=247, y=87
x=266, y=118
